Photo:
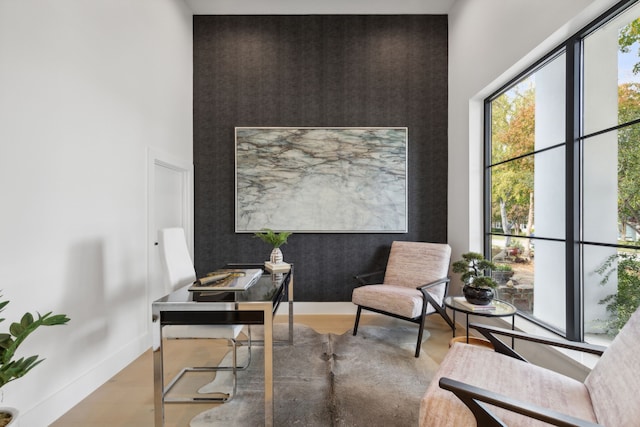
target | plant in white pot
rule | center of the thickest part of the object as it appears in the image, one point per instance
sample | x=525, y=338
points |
x=12, y=368
x=478, y=286
x=276, y=240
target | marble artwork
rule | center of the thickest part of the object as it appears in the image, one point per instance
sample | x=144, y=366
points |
x=321, y=179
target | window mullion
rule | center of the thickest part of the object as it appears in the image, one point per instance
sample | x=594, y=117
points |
x=487, y=179
x=575, y=330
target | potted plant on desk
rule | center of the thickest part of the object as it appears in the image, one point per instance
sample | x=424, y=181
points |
x=276, y=240
x=478, y=287
x=11, y=368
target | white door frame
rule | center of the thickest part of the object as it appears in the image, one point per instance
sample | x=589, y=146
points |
x=158, y=157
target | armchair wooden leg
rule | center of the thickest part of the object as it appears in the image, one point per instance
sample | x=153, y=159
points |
x=355, y=326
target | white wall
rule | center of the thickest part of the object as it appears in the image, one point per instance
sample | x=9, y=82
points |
x=85, y=88
x=490, y=41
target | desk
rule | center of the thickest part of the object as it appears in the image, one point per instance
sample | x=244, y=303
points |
x=502, y=309
x=256, y=305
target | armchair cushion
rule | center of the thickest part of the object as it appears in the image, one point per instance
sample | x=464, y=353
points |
x=400, y=300
x=508, y=376
x=412, y=264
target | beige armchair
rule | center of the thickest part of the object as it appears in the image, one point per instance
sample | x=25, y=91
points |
x=487, y=388
x=414, y=285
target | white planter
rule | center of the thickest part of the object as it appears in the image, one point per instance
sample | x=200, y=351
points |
x=276, y=256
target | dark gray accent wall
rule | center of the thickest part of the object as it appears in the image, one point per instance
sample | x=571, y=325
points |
x=319, y=70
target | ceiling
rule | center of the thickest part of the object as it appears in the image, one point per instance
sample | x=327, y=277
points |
x=315, y=7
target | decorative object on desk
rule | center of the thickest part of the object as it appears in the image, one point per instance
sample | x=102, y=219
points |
x=276, y=240
x=478, y=287
x=227, y=280
x=281, y=267
x=11, y=369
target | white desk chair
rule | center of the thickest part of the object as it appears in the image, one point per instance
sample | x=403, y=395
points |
x=179, y=272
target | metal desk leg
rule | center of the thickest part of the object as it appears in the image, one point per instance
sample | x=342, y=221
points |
x=267, y=312
x=268, y=365
x=158, y=372
x=290, y=299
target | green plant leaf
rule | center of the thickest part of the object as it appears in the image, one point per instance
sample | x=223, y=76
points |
x=17, y=368
x=16, y=329
x=57, y=319
x=26, y=320
x=11, y=369
x=473, y=266
x=274, y=239
x=484, y=282
x=5, y=341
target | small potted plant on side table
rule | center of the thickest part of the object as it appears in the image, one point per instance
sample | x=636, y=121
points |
x=11, y=369
x=478, y=287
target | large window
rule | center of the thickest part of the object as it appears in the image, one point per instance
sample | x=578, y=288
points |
x=562, y=174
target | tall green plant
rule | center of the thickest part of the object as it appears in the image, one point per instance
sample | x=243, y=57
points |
x=11, y=369
x=624, y=303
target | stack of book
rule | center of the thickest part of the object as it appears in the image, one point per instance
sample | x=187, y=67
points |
x=474, y=307
x=280, y=267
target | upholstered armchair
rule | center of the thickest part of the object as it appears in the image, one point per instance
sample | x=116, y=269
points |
x=478, y=386
x=414, y=285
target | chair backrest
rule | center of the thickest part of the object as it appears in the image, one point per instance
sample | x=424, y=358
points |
x=176, y=261
x=613, y=383
x=412, y=264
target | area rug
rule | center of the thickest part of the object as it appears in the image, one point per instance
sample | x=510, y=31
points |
x=323, y=380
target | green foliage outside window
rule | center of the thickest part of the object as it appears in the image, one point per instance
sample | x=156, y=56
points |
x=629, y=137
x=624, y=303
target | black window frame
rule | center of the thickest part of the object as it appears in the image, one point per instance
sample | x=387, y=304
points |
x=573, y=240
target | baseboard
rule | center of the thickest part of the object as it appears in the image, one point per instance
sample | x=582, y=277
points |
x=52, y=408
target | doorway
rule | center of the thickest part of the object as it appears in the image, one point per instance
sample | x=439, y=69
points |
x=170, y=189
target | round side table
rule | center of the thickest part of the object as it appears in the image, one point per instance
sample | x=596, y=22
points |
x=496, y=308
